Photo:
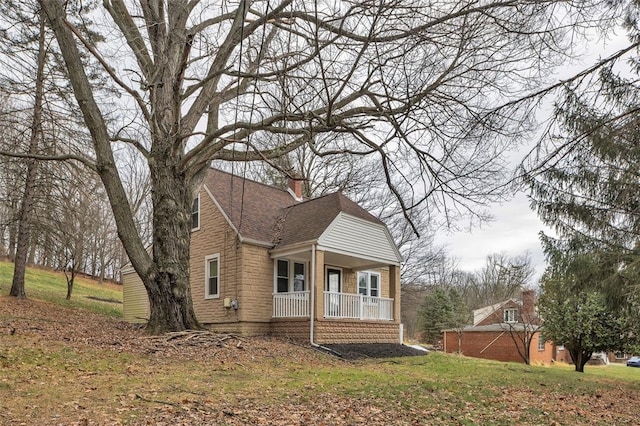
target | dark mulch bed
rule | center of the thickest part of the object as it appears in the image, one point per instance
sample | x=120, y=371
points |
x=372, y=350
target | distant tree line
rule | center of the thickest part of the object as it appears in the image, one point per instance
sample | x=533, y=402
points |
x=71, y=224
x=449, y=296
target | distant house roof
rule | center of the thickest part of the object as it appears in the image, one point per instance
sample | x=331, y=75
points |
x=499, y=327
x=272, y=216
x=483, y=313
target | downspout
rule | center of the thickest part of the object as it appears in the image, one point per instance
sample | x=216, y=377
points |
x=313, y=295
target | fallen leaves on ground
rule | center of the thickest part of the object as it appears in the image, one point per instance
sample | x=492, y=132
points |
x=78, y=328
x=86, y=397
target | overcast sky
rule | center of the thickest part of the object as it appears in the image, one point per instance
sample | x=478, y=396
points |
x=513, y=231
x=515, y=227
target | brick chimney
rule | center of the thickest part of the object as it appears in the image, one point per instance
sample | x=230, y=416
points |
x=295, y=186
x=529, y=307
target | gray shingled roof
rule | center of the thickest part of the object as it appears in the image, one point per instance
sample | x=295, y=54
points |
x=271, y=215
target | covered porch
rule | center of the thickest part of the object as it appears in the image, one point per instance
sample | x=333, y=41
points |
x=336, y=274
x=330, y=285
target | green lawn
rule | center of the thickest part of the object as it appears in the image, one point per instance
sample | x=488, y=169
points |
x=105, y=386
x=65, y=366
x=52, y=286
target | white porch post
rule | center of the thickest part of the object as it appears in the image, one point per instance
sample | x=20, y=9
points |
x=319, y=285
x=394, y=291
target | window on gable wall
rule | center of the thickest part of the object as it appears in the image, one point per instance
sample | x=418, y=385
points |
x=369, y=283
x=195, y=213
x=212, y=278
x=510, y=315
x=290, y=276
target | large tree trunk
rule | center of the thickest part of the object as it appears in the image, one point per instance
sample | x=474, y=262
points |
x=168, y=290
x=166, y=275
x=28, y=198
x=585, y=357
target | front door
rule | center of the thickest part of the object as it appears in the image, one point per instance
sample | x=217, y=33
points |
x=333, y=286
x=334, y=280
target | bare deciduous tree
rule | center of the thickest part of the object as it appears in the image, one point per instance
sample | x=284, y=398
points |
x=28, y=197
x=10, y=182
x=501, y=278
x=527, y=326
x=414, y=84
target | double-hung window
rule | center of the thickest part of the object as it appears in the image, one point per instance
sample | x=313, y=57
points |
x=212, y=276
x=195, y=213
x=369, y=284
x=510, y=315
x=541, y=343
x=290, y=276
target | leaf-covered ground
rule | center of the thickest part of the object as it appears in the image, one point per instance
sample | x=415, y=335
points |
x=62, y=366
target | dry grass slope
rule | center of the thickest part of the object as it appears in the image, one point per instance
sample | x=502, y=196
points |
x=66, y=365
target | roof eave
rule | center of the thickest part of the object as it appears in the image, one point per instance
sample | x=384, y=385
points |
x=292, y=248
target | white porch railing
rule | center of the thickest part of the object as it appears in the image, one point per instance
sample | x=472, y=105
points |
x=336, y=305
x=357, y=306
x=288, y=305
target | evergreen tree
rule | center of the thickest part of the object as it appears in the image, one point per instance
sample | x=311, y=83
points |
x=435, y=315
x=575, y=310
x=442, y=309
x=589, y=187
x=585, y=179
x=461, y=315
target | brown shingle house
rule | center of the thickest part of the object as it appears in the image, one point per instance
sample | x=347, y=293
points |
x=265, y=261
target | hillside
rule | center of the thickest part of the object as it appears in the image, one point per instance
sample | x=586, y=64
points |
x=72, y=366
x=49, y=285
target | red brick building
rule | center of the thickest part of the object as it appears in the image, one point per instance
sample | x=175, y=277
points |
x=499, y=332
